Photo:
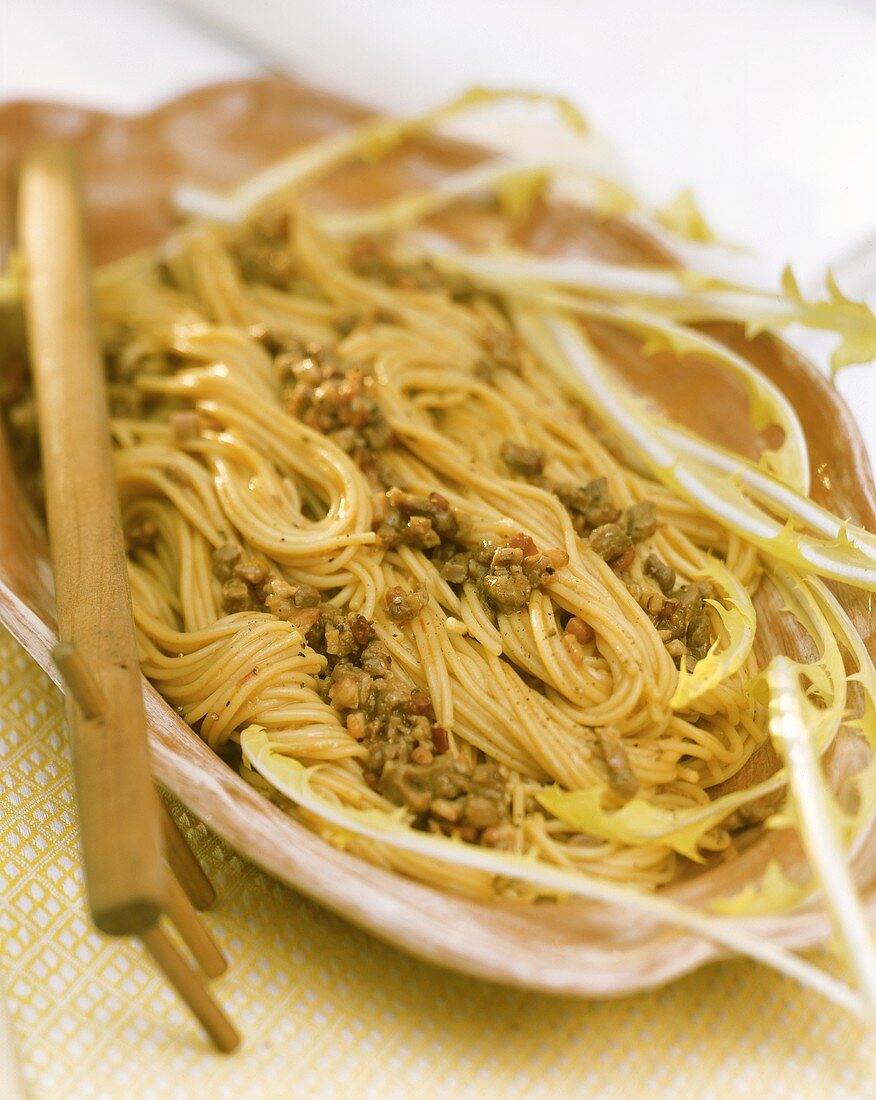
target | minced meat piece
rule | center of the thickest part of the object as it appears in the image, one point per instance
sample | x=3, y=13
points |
x=345, y=692
x=699, y=635
x=641, y=520
x=263, y=253
x=522, y=459
x=620, y=774
x=455, y=569
x=589, y=506
x=660, y=572
x=225, y=558
x=402, y=606
x=305, y=595
x=435, y=507
x=251, y=570
x=683, y=622
x=516, y=569
x=508, y=587
x=610, y=541
x=341, y=637
x=376, y=659
x=307, y=619
x=447, y=796
x=335, y=399
x=396, y=529
x=235, y=595
x=419, y=521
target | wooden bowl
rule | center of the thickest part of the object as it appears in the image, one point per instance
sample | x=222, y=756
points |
x=216, y=136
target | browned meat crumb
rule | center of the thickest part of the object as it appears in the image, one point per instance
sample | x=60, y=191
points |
x=285, y=599
x=447, y=796
x=589, y=506
x=455, y=569
x=610, y=541
x=683, y=622
x=514, y=573
x=307, y=619
x=624, y=563
x=414, y=520
x=402, y=606
x=251, y=570
x=528, y=461
x=337, y=399
x=507, y=574
x=506, y=584
x=524, y=543
x=641, y=520
x=262, y=251
x=620, y=774
x=435, y=507
x=660, y=572
x=225, y=558
x=235, y=595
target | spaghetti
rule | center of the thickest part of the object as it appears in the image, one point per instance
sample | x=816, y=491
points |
x=390, y=516
x=362, y=517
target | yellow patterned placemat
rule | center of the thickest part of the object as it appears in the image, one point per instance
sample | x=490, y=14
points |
x=329, y=1011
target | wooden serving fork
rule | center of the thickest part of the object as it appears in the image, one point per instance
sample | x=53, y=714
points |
x=138, y=867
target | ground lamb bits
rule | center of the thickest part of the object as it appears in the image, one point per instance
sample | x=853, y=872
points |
x=402, y=606
x=528, y=461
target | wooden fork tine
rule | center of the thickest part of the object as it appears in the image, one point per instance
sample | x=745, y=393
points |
x=191, y=989
x=183, y=861
x=196, y=937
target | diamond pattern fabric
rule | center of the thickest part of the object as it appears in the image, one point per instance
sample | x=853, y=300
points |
x=328, y=1011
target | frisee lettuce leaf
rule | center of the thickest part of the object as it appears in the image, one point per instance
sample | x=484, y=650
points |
x=370, y=140
x=293, y=780
x=782, y=499
x=640, y=822
x=853, y=321
x=687, y=297
x=561, y=346
x=791, y=717
x=862, y=820
x=725, y=657
x=772, y=893
x=768, y=405
x=682, y=216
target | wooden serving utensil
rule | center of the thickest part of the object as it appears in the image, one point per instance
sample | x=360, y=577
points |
x=126, y=831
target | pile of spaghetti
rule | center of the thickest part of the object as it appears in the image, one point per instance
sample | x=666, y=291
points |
x=468, y=607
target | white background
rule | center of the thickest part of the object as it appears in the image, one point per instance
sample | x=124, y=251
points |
x=767, y=108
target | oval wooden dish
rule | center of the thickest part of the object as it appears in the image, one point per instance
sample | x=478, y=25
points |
x=216, y=136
